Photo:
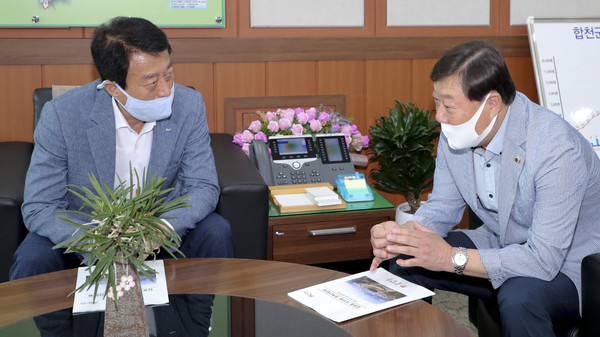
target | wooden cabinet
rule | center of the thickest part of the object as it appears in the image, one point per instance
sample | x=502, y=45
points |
x=325, y=237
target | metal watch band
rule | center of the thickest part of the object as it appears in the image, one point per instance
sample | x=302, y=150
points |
x=458, y=269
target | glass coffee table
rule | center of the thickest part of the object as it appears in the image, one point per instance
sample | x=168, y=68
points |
x=254, y=293
x=186, y=315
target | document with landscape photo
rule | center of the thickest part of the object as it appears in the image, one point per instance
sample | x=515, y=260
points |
x=359, y=294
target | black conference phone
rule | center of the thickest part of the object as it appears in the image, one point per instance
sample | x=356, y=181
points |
x=296, y=159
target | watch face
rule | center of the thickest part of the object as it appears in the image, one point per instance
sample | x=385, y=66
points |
x=460, y=259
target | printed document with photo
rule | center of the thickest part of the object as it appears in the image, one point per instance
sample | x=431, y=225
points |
x=359, y=294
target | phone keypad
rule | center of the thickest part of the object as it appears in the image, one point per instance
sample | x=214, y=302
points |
x=298, y=177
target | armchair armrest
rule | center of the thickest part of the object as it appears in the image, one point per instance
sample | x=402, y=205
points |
x=14, y=162
x=590, y=276
x=244, y=199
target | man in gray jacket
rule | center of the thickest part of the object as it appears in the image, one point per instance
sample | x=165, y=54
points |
x=135, y=114
x=530, y=177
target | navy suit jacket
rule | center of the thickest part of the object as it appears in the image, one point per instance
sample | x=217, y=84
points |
x=76, y=137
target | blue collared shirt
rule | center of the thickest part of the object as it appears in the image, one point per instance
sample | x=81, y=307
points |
x=486, y=175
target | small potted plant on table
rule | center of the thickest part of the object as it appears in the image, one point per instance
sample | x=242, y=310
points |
x=124, y=228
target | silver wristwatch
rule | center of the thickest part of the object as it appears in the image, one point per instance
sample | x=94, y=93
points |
x=459, y=260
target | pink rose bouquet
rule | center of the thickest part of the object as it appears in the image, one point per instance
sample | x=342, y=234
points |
x=298, y=122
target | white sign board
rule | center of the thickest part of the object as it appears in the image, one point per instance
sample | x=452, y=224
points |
x=567, y=70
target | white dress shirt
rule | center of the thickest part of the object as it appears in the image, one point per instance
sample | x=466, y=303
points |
x=131, y=148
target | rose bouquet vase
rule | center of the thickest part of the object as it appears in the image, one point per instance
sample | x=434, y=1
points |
x=125, y=317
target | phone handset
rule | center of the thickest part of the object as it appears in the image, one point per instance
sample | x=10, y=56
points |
x=259, y=154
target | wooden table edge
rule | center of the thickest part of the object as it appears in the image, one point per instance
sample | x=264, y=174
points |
x=261, y=279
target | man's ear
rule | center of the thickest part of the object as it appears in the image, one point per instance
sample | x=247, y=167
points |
x=495, y=103
x=112, y=88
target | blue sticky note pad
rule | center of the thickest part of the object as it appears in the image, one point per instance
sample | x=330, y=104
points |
x=353, y=187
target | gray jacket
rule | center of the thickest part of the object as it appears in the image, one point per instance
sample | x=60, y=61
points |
x=76, y=137
x=548, y=197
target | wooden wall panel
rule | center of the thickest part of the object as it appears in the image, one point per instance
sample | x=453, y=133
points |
x=344, y=77
x=41, y=33
x=201, y=77
x=385, y=82
x=421, y=84
x=16, y=101
x=521, y=70
x=505, y=27
x=73, y=74
x=291, y=78
x=246, y=79
x=193, y=50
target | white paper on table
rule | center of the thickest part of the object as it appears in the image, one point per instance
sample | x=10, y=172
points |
x=287, y=200
x=359, y=294
x=154, y=290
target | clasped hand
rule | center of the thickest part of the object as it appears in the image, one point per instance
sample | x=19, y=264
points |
x=151, y=246
x=425, y=247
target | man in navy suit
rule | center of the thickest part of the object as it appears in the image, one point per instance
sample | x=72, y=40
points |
x=530, y=177
x=135, y=114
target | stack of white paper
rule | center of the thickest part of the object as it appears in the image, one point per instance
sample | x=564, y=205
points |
x=323, y=196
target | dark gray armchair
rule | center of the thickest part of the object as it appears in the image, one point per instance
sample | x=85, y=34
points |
x=13, y=167
x=244, y=199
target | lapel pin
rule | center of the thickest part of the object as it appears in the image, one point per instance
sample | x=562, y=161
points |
x=168, y=129
x=517, y=159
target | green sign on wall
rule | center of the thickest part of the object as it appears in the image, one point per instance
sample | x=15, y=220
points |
x=91, y=13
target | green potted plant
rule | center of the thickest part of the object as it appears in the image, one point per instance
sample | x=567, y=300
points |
x=124, y=229
x=402, y=145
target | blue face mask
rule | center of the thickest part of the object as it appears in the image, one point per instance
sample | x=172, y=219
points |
x=147, y=111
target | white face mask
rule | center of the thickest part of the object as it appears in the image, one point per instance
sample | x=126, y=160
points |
x=147, y=111
x=464, y=136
